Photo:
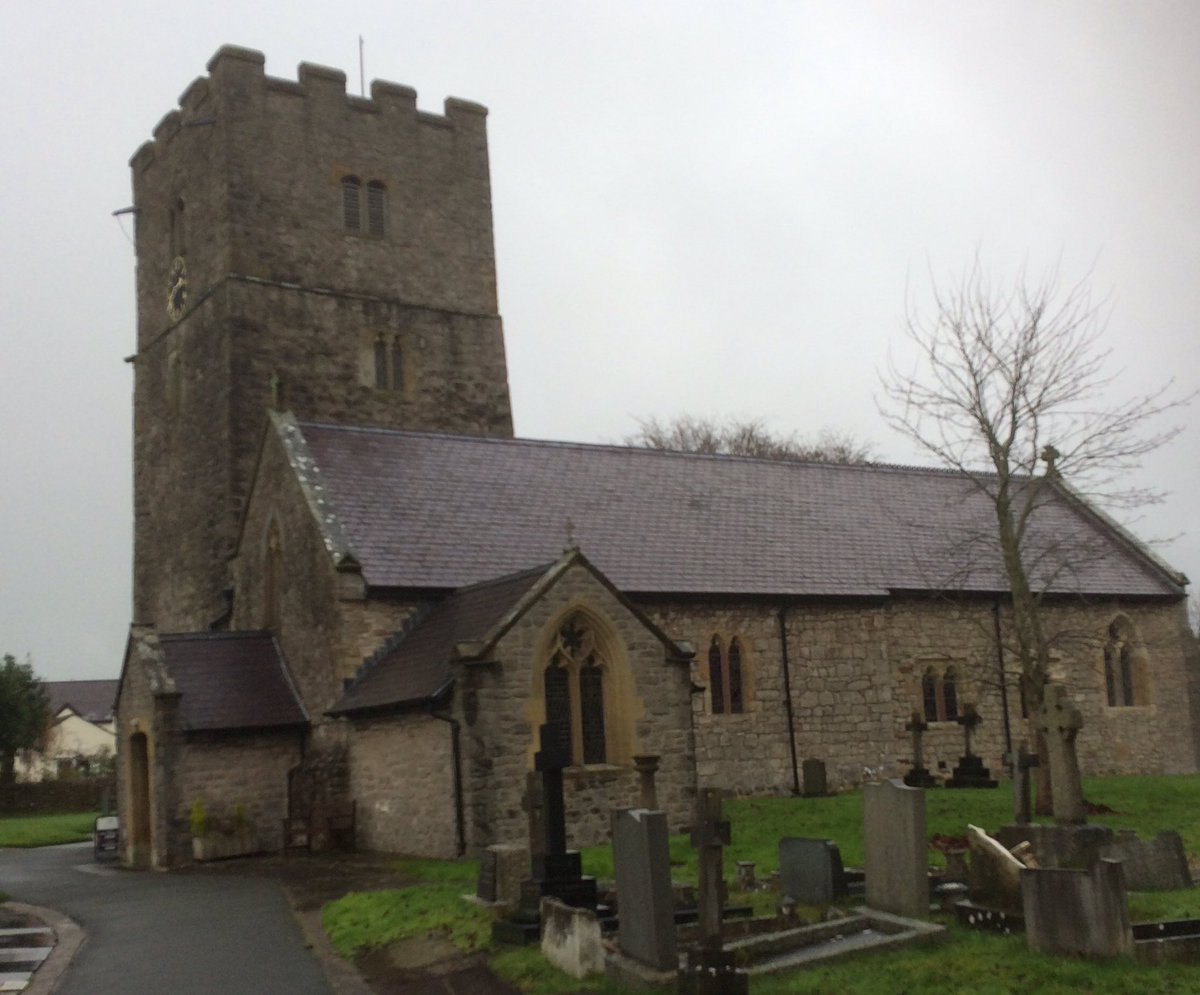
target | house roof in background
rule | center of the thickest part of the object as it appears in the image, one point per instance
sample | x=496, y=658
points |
x=435, y=511
x=91, y=700
x=231, y=680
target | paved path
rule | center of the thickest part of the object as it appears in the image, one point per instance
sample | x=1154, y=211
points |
x=166, y=934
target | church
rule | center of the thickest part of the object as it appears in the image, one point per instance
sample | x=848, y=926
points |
x=352, y=583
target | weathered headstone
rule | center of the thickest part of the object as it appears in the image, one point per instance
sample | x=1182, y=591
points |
x=1159, y=864
x=810, y=870
x=646, y=930
x=571, y=938
x=970, y=772
x=1060, y=722
x=710, y=969
x=816, y=782
x=1077, y=913
x=502, y=867
x=743, y=877
x=646, y=764
x=897, y=849
x=994, y=877
x=919, y=776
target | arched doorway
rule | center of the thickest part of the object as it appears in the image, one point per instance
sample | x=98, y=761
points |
x=140, y=838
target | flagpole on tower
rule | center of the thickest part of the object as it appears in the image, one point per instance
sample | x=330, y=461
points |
x=362, y=78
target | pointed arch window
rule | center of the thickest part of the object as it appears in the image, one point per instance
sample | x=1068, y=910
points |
x=272, y=580
x=939, y=694
x=1124, y=681
x=725, y=686
x=575, y=687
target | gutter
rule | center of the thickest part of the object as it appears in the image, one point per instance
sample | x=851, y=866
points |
x=787, y=698
x=460, y=841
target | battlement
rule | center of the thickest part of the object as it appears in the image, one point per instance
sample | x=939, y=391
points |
x=237, y=79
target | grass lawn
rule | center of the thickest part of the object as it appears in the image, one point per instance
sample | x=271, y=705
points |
x=46, y=830
x=966, y=961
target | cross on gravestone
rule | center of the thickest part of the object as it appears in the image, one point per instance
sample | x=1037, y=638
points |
x=1060, y=722
x=970, y=772
x=710, y=970
x=646, y=764
x=1022, y=802
x=919, y=776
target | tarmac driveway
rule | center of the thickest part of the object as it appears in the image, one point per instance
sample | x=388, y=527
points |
x=162, y=934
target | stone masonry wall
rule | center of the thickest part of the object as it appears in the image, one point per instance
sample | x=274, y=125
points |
x=402, y=778
x=501, y=725
x=226, y=770
x=856, y=678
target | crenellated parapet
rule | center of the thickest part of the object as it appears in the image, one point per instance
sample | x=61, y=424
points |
x=237, y=80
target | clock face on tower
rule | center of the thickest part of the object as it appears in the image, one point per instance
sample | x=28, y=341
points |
x=176, y=289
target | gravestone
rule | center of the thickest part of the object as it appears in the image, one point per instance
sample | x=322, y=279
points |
x=1059, y=722
x=502, y=867
x=810, y=870
x=1022, y=800
x=646, y=930
x=919, y=776
x=710, y=969
x=571, y=939
x=556, y=871
x=970, y=772
x=1077, y=913
x=816, y=783
x=897, y=849
x=646, y=764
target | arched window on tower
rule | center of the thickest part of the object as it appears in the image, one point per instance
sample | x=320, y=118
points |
x=376, y=207
x=381, y=364
x=397, y=379
x=351, y=210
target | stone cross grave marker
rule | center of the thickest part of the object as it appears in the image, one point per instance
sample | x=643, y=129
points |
x=710, y=969
x=970, y=772
x=1060, y=722
x=646, y=915
x=1022, y=801
x=897, y=849
x=919, y=776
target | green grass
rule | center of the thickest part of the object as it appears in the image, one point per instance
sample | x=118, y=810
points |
x=966, y=961
x=46, y=830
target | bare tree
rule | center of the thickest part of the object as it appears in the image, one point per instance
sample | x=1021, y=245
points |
x=734, y=437
x=1005, y=376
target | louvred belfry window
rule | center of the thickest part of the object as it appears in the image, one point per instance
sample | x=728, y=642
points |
x=376, y=204
x=351, y=210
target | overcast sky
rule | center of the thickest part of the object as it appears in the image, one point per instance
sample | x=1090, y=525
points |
x=700, y=207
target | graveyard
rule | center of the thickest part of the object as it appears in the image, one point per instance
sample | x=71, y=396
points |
x=734, y=857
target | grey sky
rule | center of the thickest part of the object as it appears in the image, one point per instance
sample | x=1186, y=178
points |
x=711, y=208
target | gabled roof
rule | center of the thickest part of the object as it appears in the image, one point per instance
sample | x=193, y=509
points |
x=440, y=512
x=416, y=666
x=90, y=700
x=230, y=680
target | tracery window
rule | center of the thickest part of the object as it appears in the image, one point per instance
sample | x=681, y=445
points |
x=939, y=694
x=725, y=677
x=574, y=690
x=1124, y=680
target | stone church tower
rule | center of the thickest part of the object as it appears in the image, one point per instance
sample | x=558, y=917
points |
x=300, y=248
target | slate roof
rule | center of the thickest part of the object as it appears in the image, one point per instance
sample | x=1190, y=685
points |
x=231, y=680
x=441, y=512
x=416, y=664
x=91, y=700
